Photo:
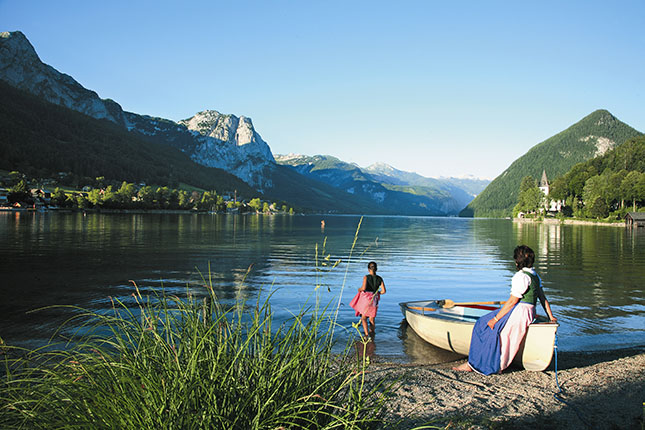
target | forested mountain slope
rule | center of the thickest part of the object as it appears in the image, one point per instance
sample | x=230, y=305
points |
x=592, y=136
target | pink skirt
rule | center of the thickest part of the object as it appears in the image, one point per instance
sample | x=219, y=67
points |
x=514, y=331
x=365, y=303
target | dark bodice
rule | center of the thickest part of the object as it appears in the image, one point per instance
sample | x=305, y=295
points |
x=373, y=283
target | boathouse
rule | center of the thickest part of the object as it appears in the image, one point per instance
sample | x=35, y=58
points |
x=635, y=219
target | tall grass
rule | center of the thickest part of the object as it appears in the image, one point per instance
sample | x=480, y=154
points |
x=186, y=363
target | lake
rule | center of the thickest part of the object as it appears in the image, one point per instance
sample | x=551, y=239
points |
x=593, y=275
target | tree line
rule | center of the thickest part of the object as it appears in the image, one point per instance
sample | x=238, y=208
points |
x=129, y=196
x=608, y=186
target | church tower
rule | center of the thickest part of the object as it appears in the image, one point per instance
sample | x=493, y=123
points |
x=544, y=184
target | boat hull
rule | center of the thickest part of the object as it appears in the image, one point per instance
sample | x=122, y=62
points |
x=451, y=329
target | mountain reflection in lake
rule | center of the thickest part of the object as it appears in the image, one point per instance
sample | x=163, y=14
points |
x=592, y=274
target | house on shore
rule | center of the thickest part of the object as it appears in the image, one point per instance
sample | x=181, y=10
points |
x=635, y=219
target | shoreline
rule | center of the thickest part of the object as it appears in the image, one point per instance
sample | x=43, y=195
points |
x=550, y=221
x=605, y=389
x=555, y=221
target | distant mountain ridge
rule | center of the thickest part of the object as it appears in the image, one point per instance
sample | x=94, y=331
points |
x=592, y=136
x=232, y=144
x=409, y=193
x=464, y=189
x=212, y=139
x=73, y=143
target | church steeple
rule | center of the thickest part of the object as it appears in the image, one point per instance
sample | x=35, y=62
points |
x=544, y=183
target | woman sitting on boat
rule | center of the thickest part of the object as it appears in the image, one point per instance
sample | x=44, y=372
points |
x=497, y=336
x=365, y=303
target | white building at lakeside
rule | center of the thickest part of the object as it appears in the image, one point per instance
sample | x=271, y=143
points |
x=549, y=204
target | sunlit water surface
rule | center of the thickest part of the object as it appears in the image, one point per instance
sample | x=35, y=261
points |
x=593, y=275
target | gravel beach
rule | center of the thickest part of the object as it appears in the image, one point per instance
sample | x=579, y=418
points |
x=603, y=390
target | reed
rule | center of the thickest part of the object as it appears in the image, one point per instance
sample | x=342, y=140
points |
x=191, y=363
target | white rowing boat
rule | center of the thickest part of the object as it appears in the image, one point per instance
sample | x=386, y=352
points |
x=451, y=329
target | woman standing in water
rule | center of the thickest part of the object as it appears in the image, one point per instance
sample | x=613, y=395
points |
x=365, y=303
x=497, y=336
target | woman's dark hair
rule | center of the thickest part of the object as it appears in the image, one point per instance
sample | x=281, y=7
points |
x=524, y=257
x=371, y=266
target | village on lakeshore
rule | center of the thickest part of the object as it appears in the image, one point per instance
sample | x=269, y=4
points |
x=128, y=197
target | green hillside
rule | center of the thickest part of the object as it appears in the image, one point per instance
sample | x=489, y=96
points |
x=592, y=136
x=41, y=139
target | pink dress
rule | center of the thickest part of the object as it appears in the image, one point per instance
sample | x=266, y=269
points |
x=365, y=303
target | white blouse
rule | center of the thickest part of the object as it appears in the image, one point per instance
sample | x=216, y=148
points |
x=521, y=281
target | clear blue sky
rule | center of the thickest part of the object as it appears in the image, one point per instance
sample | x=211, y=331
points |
x=439, y=88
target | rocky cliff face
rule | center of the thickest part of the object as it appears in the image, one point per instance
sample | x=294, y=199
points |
x=226, y=140
x=214, y=140
x=21, y=67
x=209, y=138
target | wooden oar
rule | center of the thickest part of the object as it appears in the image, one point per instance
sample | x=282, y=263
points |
x=447, y=303
x=419, y=308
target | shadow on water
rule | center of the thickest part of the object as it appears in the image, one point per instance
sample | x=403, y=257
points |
x=416, y=350
x=419, y=351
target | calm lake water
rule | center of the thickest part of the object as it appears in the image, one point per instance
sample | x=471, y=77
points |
x=593, y=275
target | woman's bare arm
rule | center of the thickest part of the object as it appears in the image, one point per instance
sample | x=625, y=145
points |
x=512, y=301
x=546, y=305
x=364, y=286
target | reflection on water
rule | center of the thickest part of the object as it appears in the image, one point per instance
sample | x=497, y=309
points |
x=592, y=274
x=418, y=351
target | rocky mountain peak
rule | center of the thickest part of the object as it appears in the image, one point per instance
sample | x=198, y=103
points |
x=209, y=137
x=21, y=67
x=229, y=129
x=15, y=44
x=380, y=167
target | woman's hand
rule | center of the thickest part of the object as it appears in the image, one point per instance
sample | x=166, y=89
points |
x=491, y=323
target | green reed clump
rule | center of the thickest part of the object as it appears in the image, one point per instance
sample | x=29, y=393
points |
x=191, y=364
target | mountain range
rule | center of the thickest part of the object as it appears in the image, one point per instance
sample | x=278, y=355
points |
x=209, y=138
x=387, y=186
x=51, y=123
